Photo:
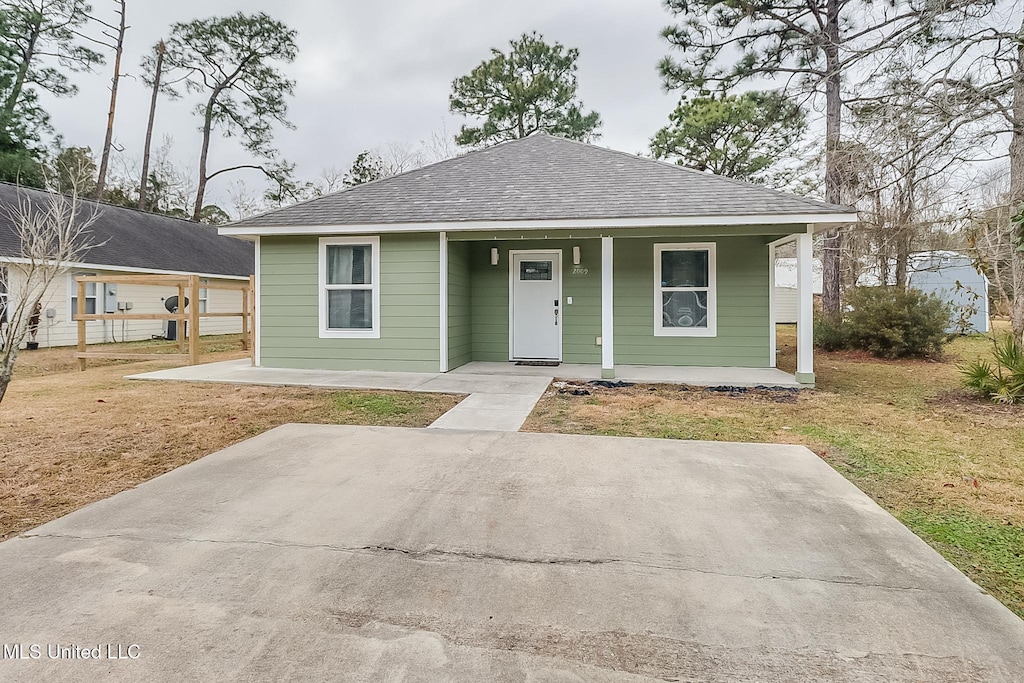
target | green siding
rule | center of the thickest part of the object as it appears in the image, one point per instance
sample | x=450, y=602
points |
x=581, y=321
x=460, y=332
x=478, y=299
x=409, y=308
x=742, y=276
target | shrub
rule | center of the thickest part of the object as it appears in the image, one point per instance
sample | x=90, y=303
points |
x=894, y=323
x=830, y=334
x=1002, y=382
x=888, y=322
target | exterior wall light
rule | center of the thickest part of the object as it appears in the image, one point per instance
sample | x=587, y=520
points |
x=494, y=256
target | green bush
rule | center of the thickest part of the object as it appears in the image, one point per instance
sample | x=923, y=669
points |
x=888, y=322
x=830, y=334
x=1002, y=382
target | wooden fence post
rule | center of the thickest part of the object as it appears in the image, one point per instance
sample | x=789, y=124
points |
x=180, y=319
x=193, y=309
x=80, y=314
x=245, y=316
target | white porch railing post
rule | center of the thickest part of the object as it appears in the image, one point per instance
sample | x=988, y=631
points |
x=607, y=322
x=805, y=307
x=443, y=299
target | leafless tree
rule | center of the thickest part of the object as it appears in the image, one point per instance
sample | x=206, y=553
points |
x=981, y=81
x=902, y=160
x=115, y=34
x=53, y=232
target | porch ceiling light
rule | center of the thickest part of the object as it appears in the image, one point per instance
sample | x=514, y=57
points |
x=575, y=256
x=494, y=256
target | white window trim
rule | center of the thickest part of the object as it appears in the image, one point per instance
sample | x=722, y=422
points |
x=374, y=244
x=5, y=293
x=204, y=295
x=712, y=329
x=73, y=294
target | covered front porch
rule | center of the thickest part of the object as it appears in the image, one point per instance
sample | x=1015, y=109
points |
x=601, y=304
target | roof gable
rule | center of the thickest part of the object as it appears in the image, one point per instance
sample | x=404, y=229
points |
x=136, y=239
x=537, y=178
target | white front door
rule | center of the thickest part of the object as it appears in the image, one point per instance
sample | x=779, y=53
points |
x=536, y=306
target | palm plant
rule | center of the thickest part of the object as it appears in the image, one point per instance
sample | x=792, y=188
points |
x=1003, y=380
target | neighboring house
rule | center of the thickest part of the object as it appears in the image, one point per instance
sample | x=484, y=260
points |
x=951, y=276
x=128, y=242
x=539, y=249
x=785, y=302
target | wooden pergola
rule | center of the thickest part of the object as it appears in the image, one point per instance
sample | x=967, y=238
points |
x=188, y=289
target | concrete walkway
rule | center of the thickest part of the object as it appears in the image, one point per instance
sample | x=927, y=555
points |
x=501, y=395
x=325, y=552
x=495, y=402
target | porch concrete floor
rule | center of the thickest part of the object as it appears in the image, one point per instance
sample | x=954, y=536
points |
x=654, y=374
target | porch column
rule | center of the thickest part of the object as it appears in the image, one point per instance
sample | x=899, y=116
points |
x=805, y=307
x=607, y=326
x=443, y=294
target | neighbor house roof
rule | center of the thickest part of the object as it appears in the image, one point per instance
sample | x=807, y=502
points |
x=127, y=238
x=545, y=178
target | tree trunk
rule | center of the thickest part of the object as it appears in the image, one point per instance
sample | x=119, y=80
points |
x=832, y=240
x=101, y=176
x=144, y=182
x=11, y=103
x=7, y=366
x=902, y=258
x=1017, y=192
x=197, y=210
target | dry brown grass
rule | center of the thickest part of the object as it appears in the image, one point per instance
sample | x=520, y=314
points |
x=69, y=438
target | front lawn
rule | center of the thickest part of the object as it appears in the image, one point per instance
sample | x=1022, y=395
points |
x=949, y=466
x=68, y=438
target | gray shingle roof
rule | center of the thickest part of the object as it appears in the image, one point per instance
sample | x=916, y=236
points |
x=541, y=177
x=136, y=239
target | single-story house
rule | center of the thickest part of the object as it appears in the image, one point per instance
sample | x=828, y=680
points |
x=540, y=249
x=127, y=242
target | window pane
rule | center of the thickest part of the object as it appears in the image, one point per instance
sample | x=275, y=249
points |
x=684, y=309
x=535, y=270
x=90, y=305
x=684, y=268
x=350, y=309
x=348, y=265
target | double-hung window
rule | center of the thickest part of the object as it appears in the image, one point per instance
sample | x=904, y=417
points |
x=350, y=287
x=685, y=302
x=4, y=289
x=204, y=295
x=90, y=296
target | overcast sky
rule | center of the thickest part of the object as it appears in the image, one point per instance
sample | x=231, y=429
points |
x=369, y=73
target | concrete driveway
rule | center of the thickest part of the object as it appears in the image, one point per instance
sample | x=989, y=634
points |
x=375, y=554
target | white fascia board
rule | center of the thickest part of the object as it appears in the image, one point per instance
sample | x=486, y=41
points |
x=127, y=269
x=571, y=224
